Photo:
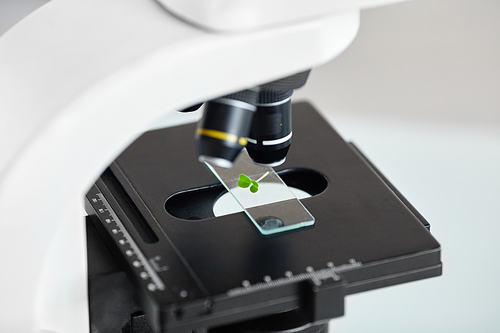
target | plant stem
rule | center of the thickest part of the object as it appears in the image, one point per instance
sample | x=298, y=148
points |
x=263, y=176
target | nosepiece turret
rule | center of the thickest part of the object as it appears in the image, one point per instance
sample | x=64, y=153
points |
x=258, y=119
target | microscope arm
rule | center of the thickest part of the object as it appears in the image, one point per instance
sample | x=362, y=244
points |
x=79, y=81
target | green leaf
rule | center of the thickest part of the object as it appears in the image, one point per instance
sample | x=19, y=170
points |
x=243, y=183
x=245, y=178
x=255, y=187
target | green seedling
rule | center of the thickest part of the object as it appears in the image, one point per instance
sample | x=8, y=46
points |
x=245, y=182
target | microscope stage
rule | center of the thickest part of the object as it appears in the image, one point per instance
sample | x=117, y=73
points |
x=153, y=206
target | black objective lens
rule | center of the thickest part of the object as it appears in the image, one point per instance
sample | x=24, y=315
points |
x=271, y=132
x=222, y=132
x=232, y=122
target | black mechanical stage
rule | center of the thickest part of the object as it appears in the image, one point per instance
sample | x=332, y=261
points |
x=193, y=272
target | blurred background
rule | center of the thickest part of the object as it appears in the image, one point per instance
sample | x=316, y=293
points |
x=418, y=91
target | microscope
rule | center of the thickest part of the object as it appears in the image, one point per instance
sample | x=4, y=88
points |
x=82, y=82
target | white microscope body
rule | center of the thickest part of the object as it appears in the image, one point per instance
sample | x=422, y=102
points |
x=80, y=80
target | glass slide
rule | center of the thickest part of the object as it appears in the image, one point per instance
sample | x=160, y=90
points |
x=264, y=197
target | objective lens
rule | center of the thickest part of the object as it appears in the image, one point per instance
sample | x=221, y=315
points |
x=259, y=119
x=222, y=131
x=271, y=132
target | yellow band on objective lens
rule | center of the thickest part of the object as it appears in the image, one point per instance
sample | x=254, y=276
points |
x=243, y=141
x=217, y=134
x=221, y=136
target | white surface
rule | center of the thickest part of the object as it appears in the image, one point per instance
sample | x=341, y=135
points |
x=239, y=15
x=419, y=92
x=79, y=80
